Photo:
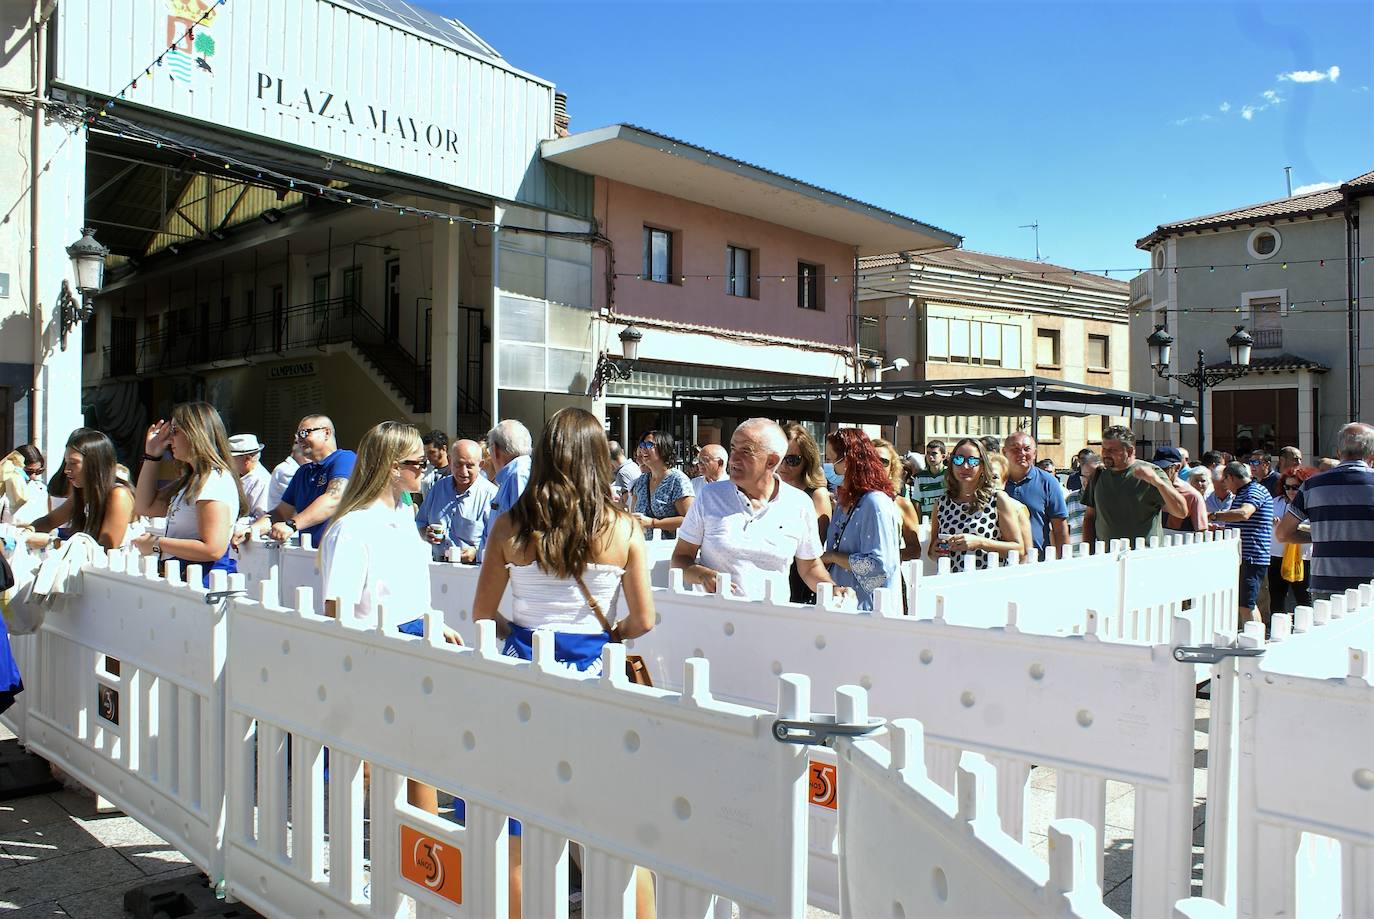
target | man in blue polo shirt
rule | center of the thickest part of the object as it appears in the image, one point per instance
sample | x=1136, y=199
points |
x=457, y=511
x=1038, y=490
x=1338, y=504
x=1252, y=512
x=314, y=493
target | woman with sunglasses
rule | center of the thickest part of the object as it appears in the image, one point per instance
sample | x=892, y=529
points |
x=863, y=541
x=23, y=493
x=202, y=502
x=661, y=497
x=97, y=504
x=1279, y=586
x=973, y=515
x=801, y=468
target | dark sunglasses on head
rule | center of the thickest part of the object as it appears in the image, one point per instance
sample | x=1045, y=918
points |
x=792, y=459
x=971, y=462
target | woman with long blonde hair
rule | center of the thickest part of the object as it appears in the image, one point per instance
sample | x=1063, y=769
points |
x=801, y=468
x=202, y=502
x=973, y=515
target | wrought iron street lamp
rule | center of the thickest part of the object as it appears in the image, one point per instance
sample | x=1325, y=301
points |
x=1201, y=377
x=609, y=368
x=88, y=264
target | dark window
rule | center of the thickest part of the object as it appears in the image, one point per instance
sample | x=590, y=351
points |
x=89, y=330
x=226, y=312
x=352, y=284
x=658, y=255
x=737, y=270
x=808, y=286
x=319, y=296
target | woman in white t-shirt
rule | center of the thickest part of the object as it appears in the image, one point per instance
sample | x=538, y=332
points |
x=202, y=502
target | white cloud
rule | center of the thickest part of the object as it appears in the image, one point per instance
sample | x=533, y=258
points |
x=1225, y=107
x=1271, y=97
x=1315, y=186
x=1332, y=73
x=1247, y=112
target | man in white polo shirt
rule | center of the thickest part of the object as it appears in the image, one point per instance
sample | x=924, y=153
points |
x=753, y=525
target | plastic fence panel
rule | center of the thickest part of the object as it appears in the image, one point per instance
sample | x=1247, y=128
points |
x=953, y=858
x=694, y=789
x=148, y=734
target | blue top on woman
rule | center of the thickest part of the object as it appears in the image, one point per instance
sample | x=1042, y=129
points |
x=871, y=537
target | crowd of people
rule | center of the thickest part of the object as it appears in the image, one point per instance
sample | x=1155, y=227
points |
x=775, y=504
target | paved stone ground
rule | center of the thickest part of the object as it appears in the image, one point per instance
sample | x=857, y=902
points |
x=60, y=857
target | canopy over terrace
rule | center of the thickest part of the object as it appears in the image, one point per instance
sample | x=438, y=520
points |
x=881, y=403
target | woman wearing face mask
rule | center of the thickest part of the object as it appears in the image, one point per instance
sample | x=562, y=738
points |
x=908, y=514
x=97, y=504
x=973, y=515
x=863, y=542
x=202, y=502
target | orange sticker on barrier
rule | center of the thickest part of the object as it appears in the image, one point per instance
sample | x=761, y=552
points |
x=432, y=863
x=823, y=785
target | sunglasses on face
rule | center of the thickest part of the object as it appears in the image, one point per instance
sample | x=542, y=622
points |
x=1255, y=462
x=303, y=433
x=792, y=459
x=33, y=470
x=413, y=464
x=1293, y=487
x=971, y=462
x=646, y=445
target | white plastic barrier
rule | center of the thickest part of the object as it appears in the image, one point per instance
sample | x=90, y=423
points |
x=1095, y=711
x=1135, y=592
x=954, y=857
x=25, y=649
x=694, y=789
x=1298, y=773
x=151, y=738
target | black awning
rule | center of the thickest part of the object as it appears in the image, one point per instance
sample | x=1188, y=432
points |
x=882, y=403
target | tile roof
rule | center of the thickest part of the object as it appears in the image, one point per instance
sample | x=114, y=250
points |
x=987, y=263
x=1278, y=362
x=1364, y=183
x=1316, y=202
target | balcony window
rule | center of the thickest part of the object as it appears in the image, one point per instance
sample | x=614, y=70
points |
x=1047, y=348
x=658, y=255
x=737, y=270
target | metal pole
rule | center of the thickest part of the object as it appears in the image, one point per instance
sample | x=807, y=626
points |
x=826, y=429
x=1035, y=409
x=1201, y=405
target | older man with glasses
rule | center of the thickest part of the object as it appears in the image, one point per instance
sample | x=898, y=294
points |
x=753, y=525
x=1262, y=471
x=711, y=464
x=314, y=493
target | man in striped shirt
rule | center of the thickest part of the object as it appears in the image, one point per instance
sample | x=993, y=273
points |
x=1339, y=506
x=1252, y=512
x=930, y=482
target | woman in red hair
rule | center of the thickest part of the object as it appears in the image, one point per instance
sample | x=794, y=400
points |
x=863, y=542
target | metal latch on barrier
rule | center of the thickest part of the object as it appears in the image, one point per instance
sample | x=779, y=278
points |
x=1211, y=654
x=223, y=596
x=818, y=731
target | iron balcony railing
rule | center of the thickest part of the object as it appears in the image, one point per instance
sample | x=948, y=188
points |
x=1268, y=339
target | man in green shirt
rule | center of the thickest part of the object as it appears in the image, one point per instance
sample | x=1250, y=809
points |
x=1124, y=498
x=930, y=482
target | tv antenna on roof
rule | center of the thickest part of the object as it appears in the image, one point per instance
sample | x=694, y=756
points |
x=1036, y=227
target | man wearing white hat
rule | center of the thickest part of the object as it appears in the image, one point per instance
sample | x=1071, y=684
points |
x=246, y=451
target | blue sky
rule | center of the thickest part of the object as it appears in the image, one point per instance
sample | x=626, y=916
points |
x=1099, y=120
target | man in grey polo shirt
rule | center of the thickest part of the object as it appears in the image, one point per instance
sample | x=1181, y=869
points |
x=752, y=525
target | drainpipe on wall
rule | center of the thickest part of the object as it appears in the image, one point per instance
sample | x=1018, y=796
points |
x=858, y=322
x=35, y=170
x=1352, y=270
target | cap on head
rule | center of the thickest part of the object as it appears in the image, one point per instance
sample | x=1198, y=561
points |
x=1167, y=456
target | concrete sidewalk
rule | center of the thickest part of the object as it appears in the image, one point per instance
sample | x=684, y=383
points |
x=60, y=857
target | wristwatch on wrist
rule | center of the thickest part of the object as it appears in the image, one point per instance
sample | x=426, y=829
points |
x=157, y=546
x=292, y=524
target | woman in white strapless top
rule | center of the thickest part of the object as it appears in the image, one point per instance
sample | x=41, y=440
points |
x=566, y=543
